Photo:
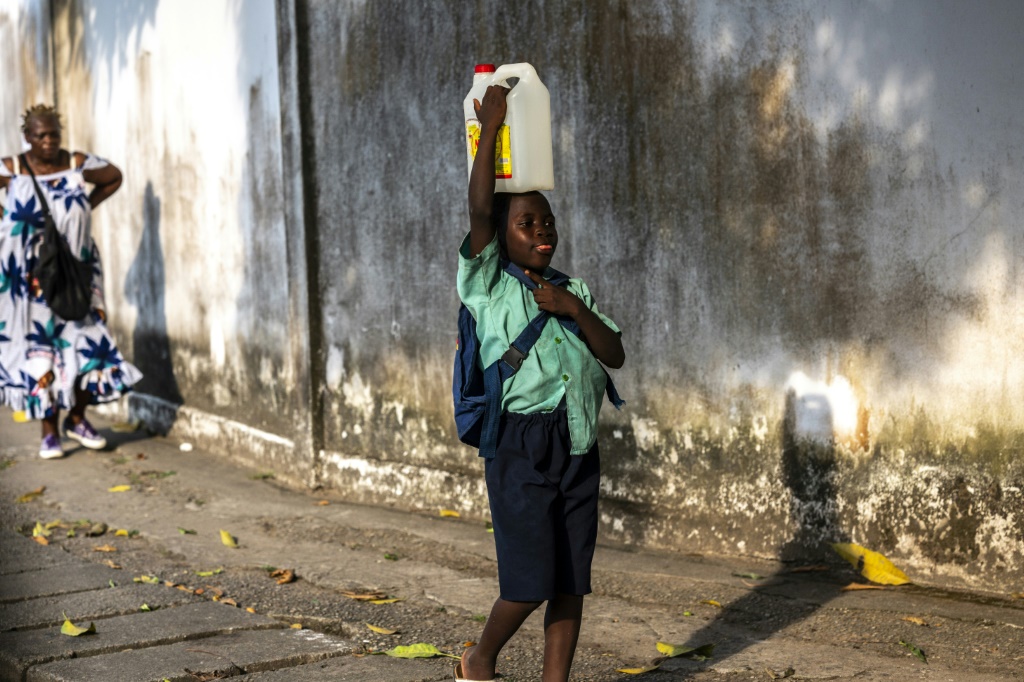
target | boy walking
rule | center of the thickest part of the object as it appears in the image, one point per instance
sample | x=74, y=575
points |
x=543, y=480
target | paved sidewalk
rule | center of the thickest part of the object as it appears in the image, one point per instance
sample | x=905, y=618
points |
x=441, y=569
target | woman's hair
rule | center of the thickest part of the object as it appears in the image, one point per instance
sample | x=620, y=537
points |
x=39, y=111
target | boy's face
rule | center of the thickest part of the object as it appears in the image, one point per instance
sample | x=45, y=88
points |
x=531, y=238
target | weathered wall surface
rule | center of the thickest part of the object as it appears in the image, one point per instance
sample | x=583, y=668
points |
x=184, y=97
x=805, y=216
x=27, y=71
x=812, y=199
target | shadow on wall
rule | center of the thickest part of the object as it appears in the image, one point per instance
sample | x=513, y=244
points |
x=809, y=470
x=145, y=288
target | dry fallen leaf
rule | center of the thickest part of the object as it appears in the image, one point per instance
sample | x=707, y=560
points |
x=381, y=631
x=119, y=489
x=40, y=539
x=364, y=596
x=29, y=496
x=250, y=609
x=450, y=513
x=323, y=503
x=1017, y=595
x=711, y=602
x=72, y=630
x=228, y=539
x=110, y=563
x=915, y=620
x=872, y=565
x=296, y=626
x=283, y=575
x=229, y=602
x=105, y=548
x=860, y=586
x=390, y=600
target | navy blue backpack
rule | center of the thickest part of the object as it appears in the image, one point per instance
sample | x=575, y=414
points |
x=477, y=393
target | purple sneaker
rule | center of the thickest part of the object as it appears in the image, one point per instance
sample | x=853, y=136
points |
x=84, y=434
x=51, y=447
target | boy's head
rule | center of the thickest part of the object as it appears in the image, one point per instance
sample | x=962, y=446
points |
x=526, y=229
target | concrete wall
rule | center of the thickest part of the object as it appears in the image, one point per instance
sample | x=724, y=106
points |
x=25, y=52
x=806, y=199
x=805, y=216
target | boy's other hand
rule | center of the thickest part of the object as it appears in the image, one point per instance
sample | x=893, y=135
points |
x=554, y=299
x=492, y=111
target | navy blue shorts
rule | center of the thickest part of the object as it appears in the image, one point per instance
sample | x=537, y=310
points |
x=543, y=507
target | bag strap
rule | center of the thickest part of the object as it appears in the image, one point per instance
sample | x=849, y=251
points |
x=39, y=192
x=511, y=360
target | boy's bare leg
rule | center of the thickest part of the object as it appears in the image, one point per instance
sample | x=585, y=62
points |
x=478, y=662
x=561, y=632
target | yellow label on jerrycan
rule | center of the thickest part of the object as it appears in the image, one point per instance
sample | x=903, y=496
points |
x=522, y=159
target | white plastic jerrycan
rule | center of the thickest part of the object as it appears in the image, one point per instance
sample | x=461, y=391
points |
x=522, y=160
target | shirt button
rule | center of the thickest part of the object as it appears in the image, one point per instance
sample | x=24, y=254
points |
x=558, y=339
x=565, y=377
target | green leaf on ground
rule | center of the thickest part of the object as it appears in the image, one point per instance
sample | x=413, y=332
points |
x=72, y=630
x=207, y=574
x=914, y=650
x=186, y=531
x=419, y=650
x=752, y=576
x=150, y=579
x=391, y=557
x=262, y=476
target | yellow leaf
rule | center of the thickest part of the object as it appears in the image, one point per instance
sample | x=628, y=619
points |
x=380, y=630
x=72, y=630
x=110, y=563
x=698, y=653
x=418, y=650
x=872, y=565
x=250, y=609
x=20, y=417
x=711, y=602
x=126, y=427
x=207, y=574
x=40, y=531
x=151, y=579
x=915, y=620
x=860, y=586
x=105, y=548
x=392, y=600
x=296, y=626
x=53, y=524
x=119, y=489
x=122, y=533
x=28, y=497
x=638, y=671
x=450, y=513
x=227, y=539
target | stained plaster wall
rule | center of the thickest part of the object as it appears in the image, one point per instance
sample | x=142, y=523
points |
x=184, y=97
x=805, y=216
x=27, y=72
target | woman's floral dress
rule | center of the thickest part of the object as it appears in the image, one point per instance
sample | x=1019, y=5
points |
x=33, y=340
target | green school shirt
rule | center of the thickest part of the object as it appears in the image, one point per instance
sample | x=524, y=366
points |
x=560, y=364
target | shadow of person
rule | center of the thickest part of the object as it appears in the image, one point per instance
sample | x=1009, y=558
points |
x=145, y=288
x=809, y=470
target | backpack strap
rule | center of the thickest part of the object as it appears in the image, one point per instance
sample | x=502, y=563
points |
x=512, y=359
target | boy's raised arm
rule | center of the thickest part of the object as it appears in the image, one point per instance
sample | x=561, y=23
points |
x=491, y=114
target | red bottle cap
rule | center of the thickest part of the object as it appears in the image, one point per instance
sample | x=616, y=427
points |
x=484, y=68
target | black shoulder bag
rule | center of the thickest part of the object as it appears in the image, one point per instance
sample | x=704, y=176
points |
x=66, y=281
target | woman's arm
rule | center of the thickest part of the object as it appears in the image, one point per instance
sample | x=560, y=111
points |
x=491, y=114
x=107, y=180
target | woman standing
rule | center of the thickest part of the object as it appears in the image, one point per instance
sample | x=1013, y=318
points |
x=47, y=363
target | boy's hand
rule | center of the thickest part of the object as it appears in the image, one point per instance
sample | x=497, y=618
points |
x=553, y=299
x=491, y=113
